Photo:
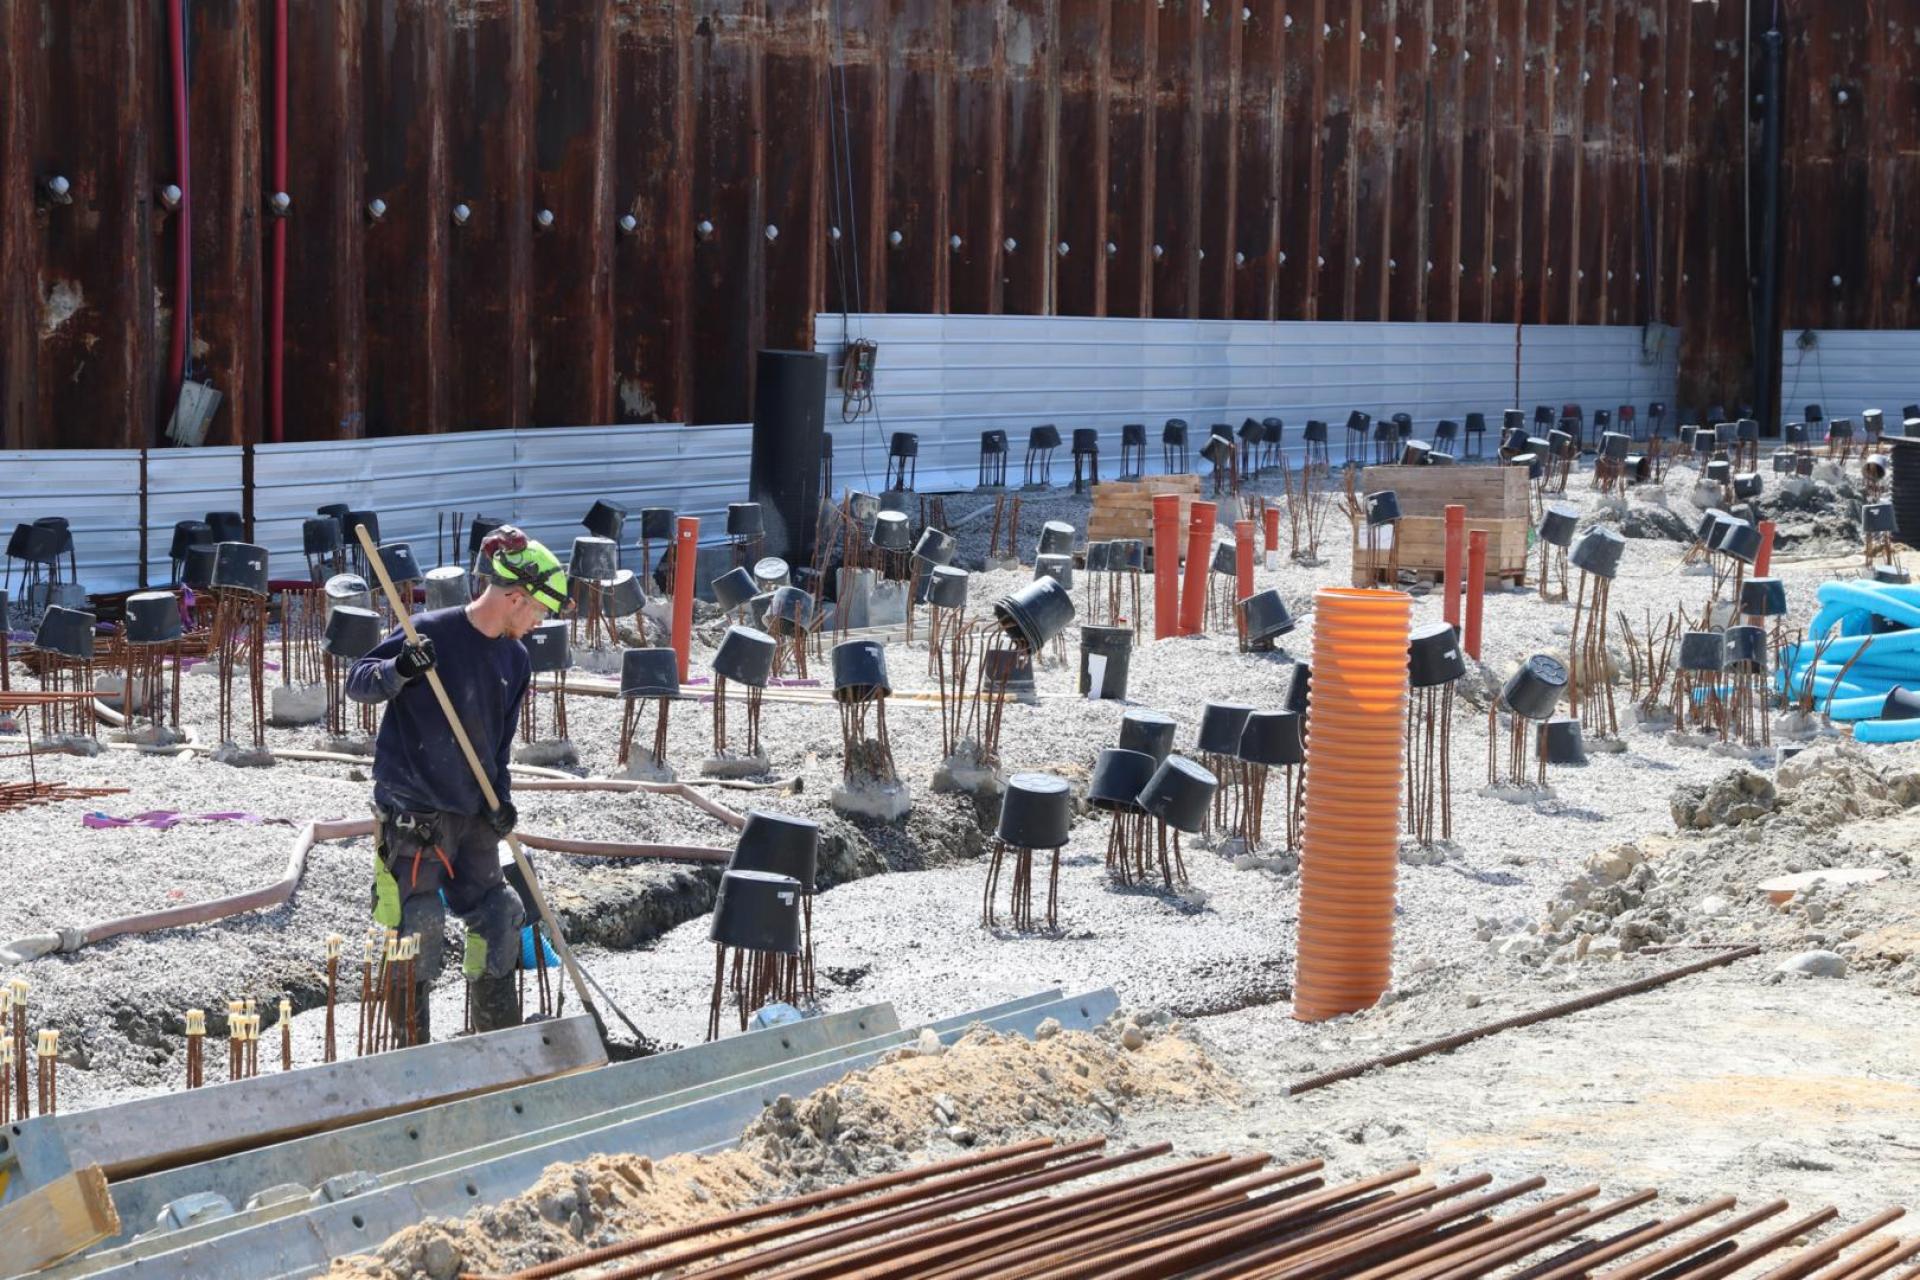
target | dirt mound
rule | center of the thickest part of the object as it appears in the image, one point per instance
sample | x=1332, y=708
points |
x=919, y=1103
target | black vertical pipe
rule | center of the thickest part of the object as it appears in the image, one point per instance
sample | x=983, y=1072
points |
x=1766, y=323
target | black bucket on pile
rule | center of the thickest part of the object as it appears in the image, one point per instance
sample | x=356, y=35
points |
x=1560, y=741
x=656, y=524
x=624, y=594
x=860, y=671
x=1557, y=526
x=1115, y=646
x=649, y=673
x=1119, y=775
x=1221, y=724
x=594, y=558
x=1703, y=651
x=1265, y=617
x=240, y=566
x=947, y=587
x=153, y=617
x=66, y=632
x=605, y=520
x=351, y=632
x=1434, y=656
x=1036, y=812
x=745, y=656
x=1763, y=598
x=1535, y=689
x=781, y=844
x=1148, y=732
x=447, y=587
x=1180, y=793
x=935, y=547
x=732, y=589
x=549, y=648
x=398, y=560
x=1598, y=553
x=319, y=535
x=1056, y=538
x=1273, y=738
x=1034, y=614
x=744, y=520
x=757, y=911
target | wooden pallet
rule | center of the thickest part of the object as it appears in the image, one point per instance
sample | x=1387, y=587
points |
x=1432, y=578
x=1124, y=509
x=1423, y=546
x=1490, y=493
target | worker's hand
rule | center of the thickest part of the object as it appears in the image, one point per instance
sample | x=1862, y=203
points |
x=503, y=819
x=415, y=660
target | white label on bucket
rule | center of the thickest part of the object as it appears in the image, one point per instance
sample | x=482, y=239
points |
x=1096, y=674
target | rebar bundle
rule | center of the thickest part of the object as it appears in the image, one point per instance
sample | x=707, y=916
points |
x=1127, y=846
x=1589, y=688
x=631, y=716
x=1699, y=702
x=1749, y=706
x=1173, y=866
x=366, y=714
x=754, y=979
x=866, y=756
x=335, y=942
x=946, y=627
x=196, y=1048
x=1250, y=807
x=530, y=709
x=951, y=658
x=1429, y=764
x=239, y=639
x=70, y=712
x=592, y=620
x=1650, y=662
x=1524, y=746
x=1553, y=572
x=1020, y=888
x=146, y=668
x=549, y=995
x=1003, y=541
x=1307, y=505
x=988, y=705
x=303, y=624
x=754, y=693
x=47, y=1048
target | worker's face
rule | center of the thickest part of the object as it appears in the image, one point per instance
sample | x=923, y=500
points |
x=524, y=613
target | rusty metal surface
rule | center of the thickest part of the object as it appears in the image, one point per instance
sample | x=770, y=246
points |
x=1554, y=161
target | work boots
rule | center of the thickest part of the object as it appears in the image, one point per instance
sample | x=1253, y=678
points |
x=496, y=1002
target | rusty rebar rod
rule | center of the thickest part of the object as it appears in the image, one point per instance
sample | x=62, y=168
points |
x=1547, y=1014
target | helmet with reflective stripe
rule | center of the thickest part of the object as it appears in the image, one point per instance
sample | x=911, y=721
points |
x=512, y=559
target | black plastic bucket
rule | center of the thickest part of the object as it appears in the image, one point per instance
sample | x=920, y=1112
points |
x=1434, y=656
x=1119, y=775
x=623, y=594
x=351, y=632
x=1221, y=724
x=656, y=524
x=229, y=526
x=1534, y=690
x=947, y=587
x=1273, y=738
x=891, y=531
x=319, y=535
x=66, y=632
x=1113, y=646
x=1180, y=793
x=447, y=587
x=1561, y=742
x=935, y=547
x=348, y=589
x=860, y=671
x=1265, y=617
x=605, y=520
x=1763, y=598
x=595, y=559
x=1703, y=651
x=1056, y=538
x=1036, y=812
x=549, y=647
x=744, y=520
x=745, y=657
x=1598, y=553
x=649, y=673
x=240, y=566
x=779, y=843
x=1557, y=526
x=153, y=617
x=792, y=608
x=1148, y=732
x=732, y=589
x=1747, y=649
x=1059, y=568
x=757, y=911
x=1035, y=614
x=398, y=560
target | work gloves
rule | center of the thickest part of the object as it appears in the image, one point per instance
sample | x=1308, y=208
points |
x=503, y=819
x=415, y=660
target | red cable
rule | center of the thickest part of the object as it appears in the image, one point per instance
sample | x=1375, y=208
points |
x=277, y=304
x=183, y=230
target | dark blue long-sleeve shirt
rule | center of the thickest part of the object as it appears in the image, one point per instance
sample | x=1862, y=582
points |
x=417, y=764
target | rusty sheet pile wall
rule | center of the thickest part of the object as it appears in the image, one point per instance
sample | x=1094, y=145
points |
x=593, y=211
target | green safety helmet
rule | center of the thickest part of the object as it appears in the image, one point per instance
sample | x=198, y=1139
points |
x=512, y=559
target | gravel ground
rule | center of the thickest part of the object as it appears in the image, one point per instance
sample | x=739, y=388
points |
x=1220, y=953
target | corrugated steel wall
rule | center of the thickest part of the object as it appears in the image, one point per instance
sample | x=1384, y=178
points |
x=1538, y=161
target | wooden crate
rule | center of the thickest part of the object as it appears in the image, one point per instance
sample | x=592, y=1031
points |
x=1124, y=509
x=1487, y=493
x=1423, y=548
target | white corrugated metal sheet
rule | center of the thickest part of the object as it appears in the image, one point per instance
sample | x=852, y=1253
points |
x=1847, y=370
x=182, y=484
x=948, y=378
x=98, y=491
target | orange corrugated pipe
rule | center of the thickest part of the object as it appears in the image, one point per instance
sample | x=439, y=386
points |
x=1193, y=595
x=1350, y=855
x=1166, y=565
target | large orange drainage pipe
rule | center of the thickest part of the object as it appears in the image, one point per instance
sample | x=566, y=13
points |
x=1357, y=706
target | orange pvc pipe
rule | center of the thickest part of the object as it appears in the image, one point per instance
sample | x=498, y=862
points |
x=1764, y=560
x=1242, y=568
x=1166, y=565
x=686, y=555
x=1350, y=856
x=1273, y=533
x=1476, y=590
x=1456, y=554
x=1193, y=595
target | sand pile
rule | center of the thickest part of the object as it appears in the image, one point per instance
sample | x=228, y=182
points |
x=925, y=1102
x=1833, y=807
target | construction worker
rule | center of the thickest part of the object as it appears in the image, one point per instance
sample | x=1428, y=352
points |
x=434, y=833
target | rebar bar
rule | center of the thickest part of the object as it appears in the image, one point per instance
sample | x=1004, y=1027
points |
x=48, y=1046
x=1589, y=686
x=196, y=1048
x=335, y=942
x=1429, y=764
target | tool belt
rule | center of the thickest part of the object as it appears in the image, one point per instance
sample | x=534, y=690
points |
x=421, y=830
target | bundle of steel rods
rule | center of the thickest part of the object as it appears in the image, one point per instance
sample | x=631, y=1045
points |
x=1036, y=1211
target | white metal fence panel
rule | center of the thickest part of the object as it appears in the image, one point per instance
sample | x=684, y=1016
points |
x=182, y=484
x=1847, y=370
x=947, y=379
x=97, y=490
